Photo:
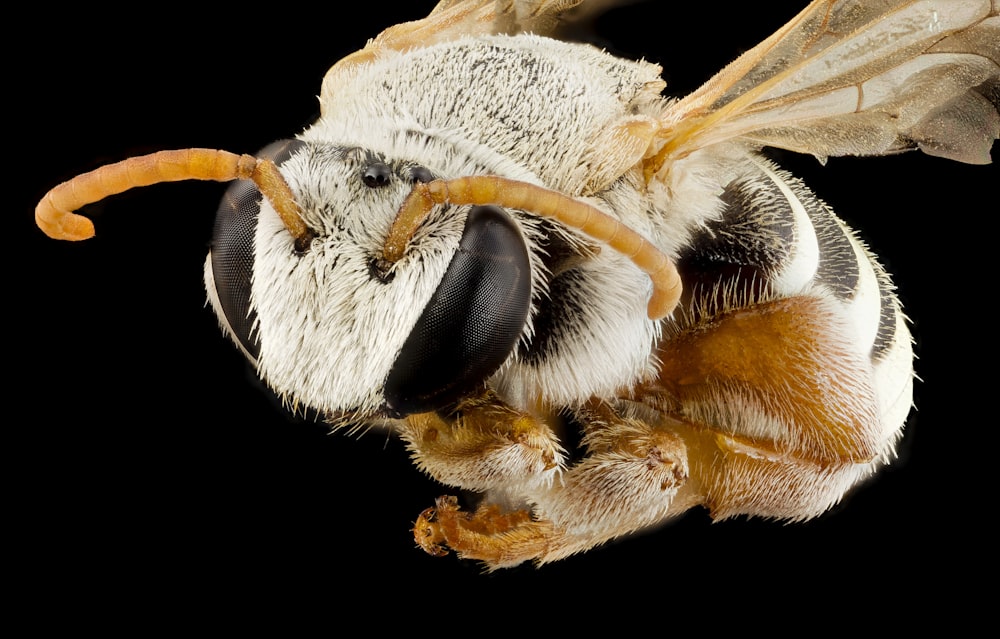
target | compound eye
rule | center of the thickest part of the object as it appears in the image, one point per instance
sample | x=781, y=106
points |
x=471, y=323
x=232, y=248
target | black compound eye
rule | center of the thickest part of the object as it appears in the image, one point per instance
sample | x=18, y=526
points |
x=471, y=323
x=232, y=248
x=376, y=174
x=280, y=151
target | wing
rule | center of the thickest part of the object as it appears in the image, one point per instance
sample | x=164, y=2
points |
x=855, y=78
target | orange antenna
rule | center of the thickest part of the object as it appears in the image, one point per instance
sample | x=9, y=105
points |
x=487, y=190
x=54, y=213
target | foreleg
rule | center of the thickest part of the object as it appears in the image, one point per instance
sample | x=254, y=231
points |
x=483, y=445
x=626, y=482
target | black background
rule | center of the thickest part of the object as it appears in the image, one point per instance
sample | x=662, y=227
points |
x=149, y=473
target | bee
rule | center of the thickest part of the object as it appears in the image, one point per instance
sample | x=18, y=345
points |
x=587, y=306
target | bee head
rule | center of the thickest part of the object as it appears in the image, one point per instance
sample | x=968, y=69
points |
x=331, y=324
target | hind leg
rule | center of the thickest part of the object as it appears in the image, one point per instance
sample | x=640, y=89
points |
x=767, y=410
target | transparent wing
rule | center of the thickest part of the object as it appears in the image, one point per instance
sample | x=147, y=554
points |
x=856, y=78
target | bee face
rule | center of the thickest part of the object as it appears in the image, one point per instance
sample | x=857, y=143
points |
x=407, y=337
